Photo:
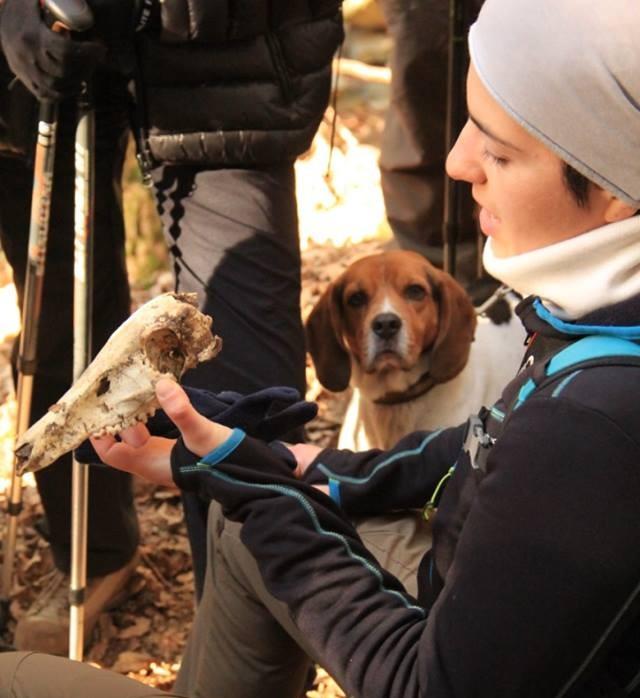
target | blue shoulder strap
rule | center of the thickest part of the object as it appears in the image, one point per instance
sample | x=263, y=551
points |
x=484, y=430
x=579, y=352
x=589, y=348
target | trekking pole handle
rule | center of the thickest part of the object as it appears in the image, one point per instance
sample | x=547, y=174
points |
x=67, y=15
x=63, y=16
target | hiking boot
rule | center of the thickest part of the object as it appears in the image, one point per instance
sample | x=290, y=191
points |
x=45, y=626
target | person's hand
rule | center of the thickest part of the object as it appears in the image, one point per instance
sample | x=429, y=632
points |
x=200, y=435
x=138, y=453
x=265, y=414
x=150, y=456
x=50, y=64
x=304, y=454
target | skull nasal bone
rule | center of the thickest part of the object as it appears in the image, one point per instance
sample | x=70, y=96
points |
x=386, y=325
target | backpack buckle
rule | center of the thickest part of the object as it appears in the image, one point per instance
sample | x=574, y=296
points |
x=477, y=443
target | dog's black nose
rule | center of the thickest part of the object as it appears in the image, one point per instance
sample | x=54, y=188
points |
x=386, y=325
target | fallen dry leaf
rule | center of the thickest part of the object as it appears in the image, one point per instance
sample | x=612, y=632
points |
x=131, y=662
x=139, y=627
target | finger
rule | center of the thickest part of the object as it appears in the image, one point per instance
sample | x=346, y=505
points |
x=110, y=451
x=304, y=454
x=136, y=436
x=199, y=433
x=151, y=461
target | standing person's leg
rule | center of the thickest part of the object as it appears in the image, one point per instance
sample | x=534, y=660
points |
x=112, y=530
x=243, y=643
x=235, y=237
x=413, y=145
x=236, y=234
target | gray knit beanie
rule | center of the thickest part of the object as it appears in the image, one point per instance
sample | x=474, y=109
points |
x=569, y=72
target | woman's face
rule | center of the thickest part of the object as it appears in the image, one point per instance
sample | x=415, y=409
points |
x=517, y=181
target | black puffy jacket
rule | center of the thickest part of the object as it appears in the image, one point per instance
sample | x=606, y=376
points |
x=236, y=83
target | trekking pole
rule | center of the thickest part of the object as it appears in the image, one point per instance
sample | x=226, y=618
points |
x=62, y=15
x=455, y=81
x=82, y=315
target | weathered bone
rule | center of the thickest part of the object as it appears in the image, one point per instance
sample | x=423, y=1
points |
x=163, y=338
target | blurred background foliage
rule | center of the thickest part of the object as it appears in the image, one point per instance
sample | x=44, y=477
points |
x=146, y=250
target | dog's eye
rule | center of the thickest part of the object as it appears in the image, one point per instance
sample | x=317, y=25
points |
x=357, y=299
x=415, y=292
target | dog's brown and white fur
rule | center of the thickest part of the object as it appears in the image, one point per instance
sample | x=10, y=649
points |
x=406, y=336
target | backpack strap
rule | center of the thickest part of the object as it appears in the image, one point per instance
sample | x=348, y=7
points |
x=595, y=350
x=485, y=428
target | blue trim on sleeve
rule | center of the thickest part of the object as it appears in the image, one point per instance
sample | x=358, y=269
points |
x=299, y=497
x=383, y=464
x=225, y=449
x=334, y=491
x=623, y=331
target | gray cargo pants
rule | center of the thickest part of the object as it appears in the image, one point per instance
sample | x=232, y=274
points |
x=243, y=643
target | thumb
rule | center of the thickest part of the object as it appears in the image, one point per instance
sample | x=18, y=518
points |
x=200, y=434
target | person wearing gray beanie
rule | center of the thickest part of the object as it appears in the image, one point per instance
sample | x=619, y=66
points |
x=561, y=86
x=569, y=73
x=497, y=558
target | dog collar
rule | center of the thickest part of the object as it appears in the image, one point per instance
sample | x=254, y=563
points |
x=420, y=387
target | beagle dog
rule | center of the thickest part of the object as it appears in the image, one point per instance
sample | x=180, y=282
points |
x=406, y=337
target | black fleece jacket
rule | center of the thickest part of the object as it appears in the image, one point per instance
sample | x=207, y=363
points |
x=533, y=584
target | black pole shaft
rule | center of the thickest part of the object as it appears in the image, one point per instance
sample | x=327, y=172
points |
x=455, y=111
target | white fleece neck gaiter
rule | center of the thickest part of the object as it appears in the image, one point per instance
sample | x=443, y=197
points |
x=578, y=275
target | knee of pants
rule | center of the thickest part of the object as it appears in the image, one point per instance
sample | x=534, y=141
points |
x=398, y=541
x=34, y=675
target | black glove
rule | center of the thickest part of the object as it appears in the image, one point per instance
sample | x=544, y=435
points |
x=51, y=65
x=18, y=114
x=267, y=414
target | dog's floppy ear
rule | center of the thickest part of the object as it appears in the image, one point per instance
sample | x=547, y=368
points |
x=324, y=330
x=457, y=324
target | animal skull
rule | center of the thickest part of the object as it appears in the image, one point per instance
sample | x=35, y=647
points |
x=162, y=339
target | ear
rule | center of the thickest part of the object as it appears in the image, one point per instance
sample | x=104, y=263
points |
x=324, y=328
x=618, y=210
x=457, y=325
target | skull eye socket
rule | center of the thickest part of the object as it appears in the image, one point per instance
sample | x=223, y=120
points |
x=175, y=355
x=104, y=386
x=164, y=352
